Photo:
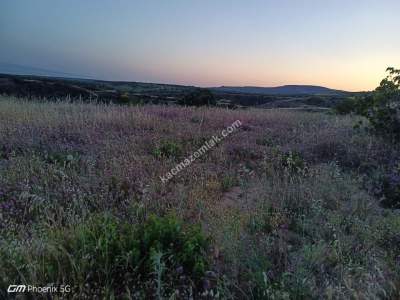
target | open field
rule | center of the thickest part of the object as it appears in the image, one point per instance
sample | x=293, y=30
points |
x=286, y=203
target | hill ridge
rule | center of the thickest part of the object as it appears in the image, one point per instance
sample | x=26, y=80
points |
x=289, y=89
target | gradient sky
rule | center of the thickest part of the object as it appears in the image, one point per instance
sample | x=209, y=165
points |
x=337, y=43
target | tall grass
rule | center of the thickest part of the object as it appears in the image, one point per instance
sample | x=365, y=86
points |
x=290, y=202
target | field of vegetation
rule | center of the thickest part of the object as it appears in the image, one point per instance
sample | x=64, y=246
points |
x=291, y=205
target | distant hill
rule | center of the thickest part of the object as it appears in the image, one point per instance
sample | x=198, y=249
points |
x=280, y=90
x=286, y=90
x=56, y=87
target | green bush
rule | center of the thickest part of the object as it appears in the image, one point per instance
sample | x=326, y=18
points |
x=346, y=106
x=381, y=108
x=293, y=162
x=127, y=99
x=168, y=149
x=185, y=249
x=123, y=98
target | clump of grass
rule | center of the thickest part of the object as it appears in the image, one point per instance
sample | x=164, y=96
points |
x=270, y=220
x=228, y=181
x=265, y=141
x=168, y=149
x=105, y=256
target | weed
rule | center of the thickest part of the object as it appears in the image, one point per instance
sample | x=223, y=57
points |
x=293, y=162
x=168, y=149
x=62, y=158
x=266, y=141
x=228, y=181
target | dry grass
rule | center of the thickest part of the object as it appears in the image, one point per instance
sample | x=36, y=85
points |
x=280, y=230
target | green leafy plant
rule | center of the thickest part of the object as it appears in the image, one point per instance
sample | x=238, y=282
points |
x=184, y=248
x=293, y=162
x=168, y=149
x=381, y=108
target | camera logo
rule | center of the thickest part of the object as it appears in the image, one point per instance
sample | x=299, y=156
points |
x=13, y=288
x=22, y=288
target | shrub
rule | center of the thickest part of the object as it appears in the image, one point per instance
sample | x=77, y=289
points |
x=127, y=99
x=346, y=106
x=123, y=98
x=381, y=108
x=62, y=158
x=168, y=149
x=185, y=249
x=199, y=97
x=293, y=162
x=315, y=100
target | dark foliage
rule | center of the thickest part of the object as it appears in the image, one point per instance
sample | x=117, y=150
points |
x=199, y=97
x=381, y=108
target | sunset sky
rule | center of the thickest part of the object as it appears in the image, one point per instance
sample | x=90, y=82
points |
x=339, y=44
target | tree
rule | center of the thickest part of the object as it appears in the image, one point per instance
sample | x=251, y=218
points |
x=381, y=107
x=198, y=97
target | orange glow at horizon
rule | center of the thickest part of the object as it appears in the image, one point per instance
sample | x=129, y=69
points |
x=339, y=44
x=360, y=75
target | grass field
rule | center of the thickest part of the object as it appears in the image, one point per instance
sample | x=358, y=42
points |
x=284, y=207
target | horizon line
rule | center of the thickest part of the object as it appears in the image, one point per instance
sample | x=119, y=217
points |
x=67, y=75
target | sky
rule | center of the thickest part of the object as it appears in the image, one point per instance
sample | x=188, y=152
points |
x=339, y=44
